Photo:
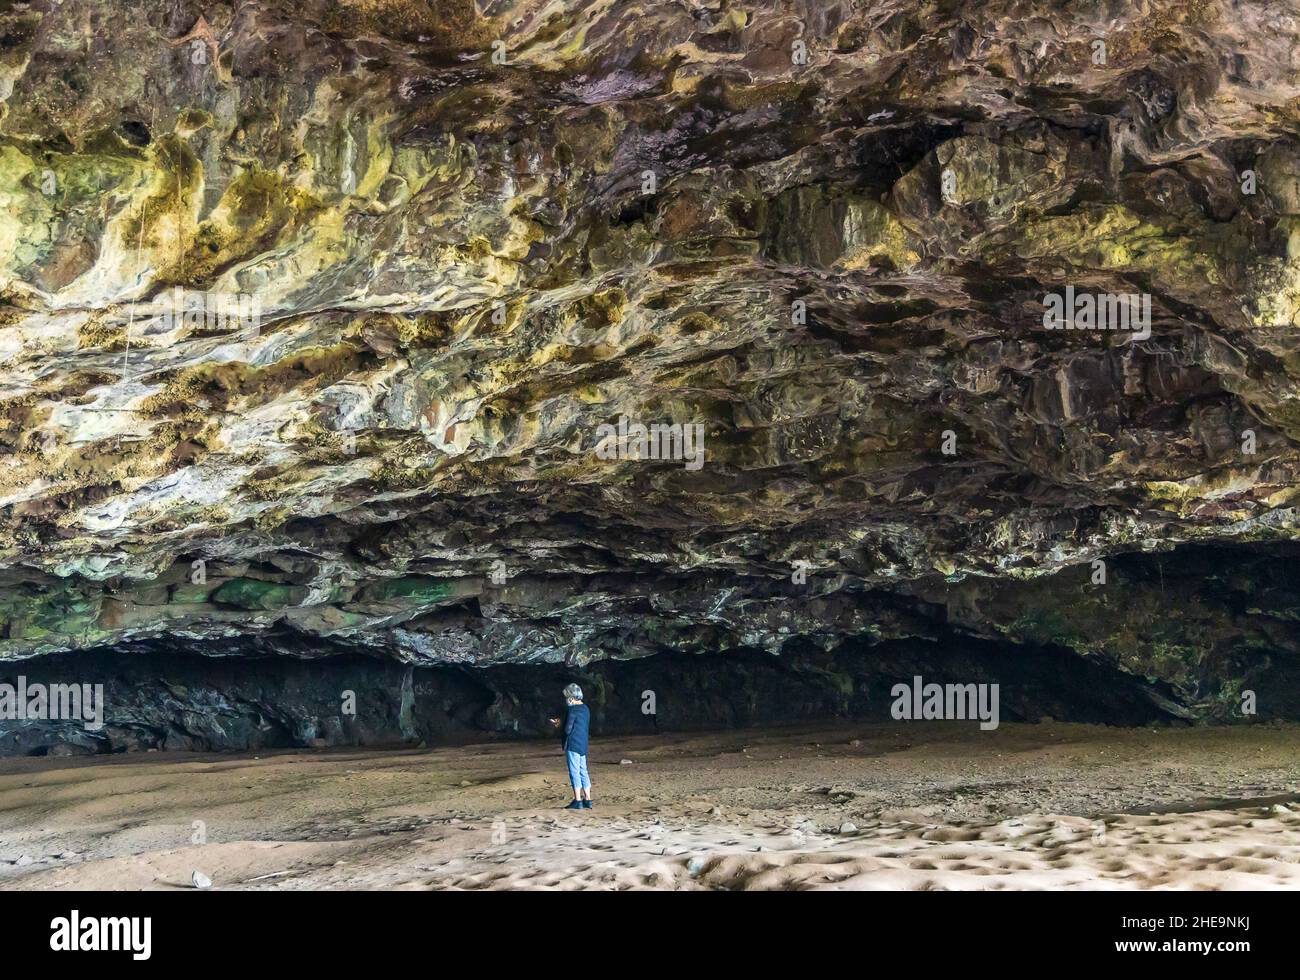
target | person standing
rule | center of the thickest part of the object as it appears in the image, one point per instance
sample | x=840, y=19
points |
x=577, y=725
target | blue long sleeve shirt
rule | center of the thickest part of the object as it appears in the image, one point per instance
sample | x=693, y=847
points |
x=577, y=722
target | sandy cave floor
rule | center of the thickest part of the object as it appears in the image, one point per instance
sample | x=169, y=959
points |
x=932, y=806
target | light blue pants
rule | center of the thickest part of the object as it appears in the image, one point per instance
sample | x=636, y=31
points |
x=578, y=777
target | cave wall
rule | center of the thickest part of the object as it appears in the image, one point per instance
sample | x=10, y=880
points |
x=464, y=239
x=161, y=699
x=1204, y=633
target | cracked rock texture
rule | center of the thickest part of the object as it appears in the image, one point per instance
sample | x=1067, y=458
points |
x=475, y=232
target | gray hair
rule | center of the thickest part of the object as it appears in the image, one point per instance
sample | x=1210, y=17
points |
x=573, y=692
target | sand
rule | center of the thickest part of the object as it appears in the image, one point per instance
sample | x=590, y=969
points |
x=910, y=806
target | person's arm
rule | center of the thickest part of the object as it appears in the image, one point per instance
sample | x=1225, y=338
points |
x=570, y=717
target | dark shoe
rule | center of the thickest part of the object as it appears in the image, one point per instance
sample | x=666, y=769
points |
x=586, y=804
x=575, y=805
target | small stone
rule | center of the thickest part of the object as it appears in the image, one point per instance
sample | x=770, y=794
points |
x=23, y=861
x=624, y=762
x=694, y=866
x=848, y=827
x=1279, y=808
x=200, y=880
